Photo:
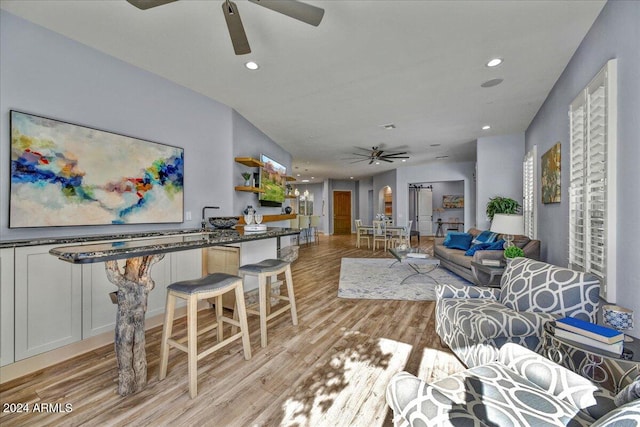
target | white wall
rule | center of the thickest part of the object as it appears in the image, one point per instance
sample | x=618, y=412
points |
x=47, y=74
x=614, y=34
x=499, y=171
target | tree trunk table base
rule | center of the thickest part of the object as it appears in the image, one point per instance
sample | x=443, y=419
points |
x=134, y=285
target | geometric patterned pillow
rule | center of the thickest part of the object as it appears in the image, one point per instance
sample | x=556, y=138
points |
x=529, y=285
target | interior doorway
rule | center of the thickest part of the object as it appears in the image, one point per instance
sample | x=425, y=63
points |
x=385, y=201
x=341, y=212
x=444, y=215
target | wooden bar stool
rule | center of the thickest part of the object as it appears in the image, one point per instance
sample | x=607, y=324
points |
x=265, y=270
x=211, y=286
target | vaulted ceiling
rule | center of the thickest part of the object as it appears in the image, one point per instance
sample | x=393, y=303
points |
x=322, y=91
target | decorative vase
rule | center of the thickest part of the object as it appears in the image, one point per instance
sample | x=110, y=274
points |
x=288, y=210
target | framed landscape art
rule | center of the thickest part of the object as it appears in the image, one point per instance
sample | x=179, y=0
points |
x=64, y=174
x=551, y=175
x=453, y=202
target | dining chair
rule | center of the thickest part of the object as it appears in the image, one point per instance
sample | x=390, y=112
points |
x=380, y=234
x=361, y=233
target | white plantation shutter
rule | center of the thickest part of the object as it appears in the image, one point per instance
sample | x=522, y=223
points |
x=592, y=187
x=577, y=165
x=529, y=193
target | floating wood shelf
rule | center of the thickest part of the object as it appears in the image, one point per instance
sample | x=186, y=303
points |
x=272, y=218
x=290, y=178
x=291, y=196
x=249, y=161
x=249, y=189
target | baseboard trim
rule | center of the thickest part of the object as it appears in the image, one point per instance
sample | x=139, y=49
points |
x=41, y=361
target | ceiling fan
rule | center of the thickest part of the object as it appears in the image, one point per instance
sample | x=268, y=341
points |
x=376, y=154
x=306, y=13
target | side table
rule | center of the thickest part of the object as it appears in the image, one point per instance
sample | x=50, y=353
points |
x=487, y=275
x=610, y=370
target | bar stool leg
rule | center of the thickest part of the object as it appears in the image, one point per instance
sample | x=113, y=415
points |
x=166, y=334
x=240, y=313
x=292, y=297
x=219, y=310
x=192, y=345
x=262, y=295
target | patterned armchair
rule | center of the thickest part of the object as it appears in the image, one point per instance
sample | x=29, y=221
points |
x=520, y=388
x=475, y=322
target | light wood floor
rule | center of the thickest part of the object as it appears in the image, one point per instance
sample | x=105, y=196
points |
x=235, y=392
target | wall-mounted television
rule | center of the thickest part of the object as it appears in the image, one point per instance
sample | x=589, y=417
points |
x=273, y=180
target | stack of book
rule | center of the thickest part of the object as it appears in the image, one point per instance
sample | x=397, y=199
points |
x=593, y=335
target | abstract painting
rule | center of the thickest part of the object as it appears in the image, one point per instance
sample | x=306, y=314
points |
x=551, y=175
x=64, y=174
x=453, y=202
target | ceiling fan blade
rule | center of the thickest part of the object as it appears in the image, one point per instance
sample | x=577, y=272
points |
x=358, y=161
x=363, y=155
x=148, y=4
x=385, y=160
x=236, y=30
x=306, y=13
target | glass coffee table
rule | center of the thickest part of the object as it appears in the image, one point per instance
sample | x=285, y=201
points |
x=419, y=262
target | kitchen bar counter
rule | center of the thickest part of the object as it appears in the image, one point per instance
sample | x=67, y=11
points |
x=156, y=244
x=134, y=283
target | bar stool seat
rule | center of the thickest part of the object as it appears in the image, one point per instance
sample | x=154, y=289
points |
x=211, y=286
x=265, y=270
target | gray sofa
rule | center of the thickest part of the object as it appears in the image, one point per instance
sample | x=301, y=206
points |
x=456, y=261
x=520, y=388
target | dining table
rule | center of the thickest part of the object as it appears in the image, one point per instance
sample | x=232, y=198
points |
x=134, y=283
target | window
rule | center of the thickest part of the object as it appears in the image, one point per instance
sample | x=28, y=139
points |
x=306, y=203
x=592, y=182
x=529, y=193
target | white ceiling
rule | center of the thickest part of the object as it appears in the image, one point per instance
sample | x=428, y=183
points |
x=321, y=91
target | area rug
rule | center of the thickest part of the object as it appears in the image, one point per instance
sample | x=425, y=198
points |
x=373, y=278
x=346, y=386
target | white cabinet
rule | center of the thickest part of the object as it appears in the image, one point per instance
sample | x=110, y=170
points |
x=99, y=313
x=48, y=301
x=6, y=306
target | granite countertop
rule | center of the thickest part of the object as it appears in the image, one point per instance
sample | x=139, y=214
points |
x=96, y=237
x=172, y=242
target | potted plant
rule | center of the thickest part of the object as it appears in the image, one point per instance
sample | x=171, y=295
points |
x=247, y=179
x=512, y=252
x=504, y=205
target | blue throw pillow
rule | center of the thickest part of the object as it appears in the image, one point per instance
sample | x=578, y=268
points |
x=480, y=246
x=496, y=246
x=450, y=234
x=485, y=237
x=460, y=241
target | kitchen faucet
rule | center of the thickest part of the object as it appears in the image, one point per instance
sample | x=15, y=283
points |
x=204, y=223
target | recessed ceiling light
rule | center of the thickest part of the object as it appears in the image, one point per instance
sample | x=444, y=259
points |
x=377, y=163
x=350, y=177
x=297, y=174
x=305, y=180
x=492, y=82
x=404, y=160
x=313, y=177
x=252, y=65
x=494, y=62
x=486, y=127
